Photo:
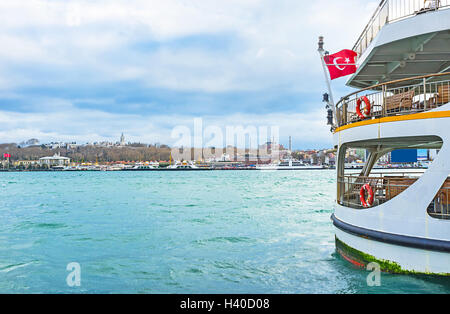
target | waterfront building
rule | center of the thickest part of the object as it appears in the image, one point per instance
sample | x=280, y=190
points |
x=54, y=161
x=25, y=163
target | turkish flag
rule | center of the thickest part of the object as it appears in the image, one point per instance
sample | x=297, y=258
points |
x=341, y=63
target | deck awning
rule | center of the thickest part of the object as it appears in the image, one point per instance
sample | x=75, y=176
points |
x=413, y=47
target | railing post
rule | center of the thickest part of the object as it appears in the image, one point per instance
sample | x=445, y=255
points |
x=425, y=94
x=344, y=112
x=383, y=110
x=339, y=119
x=388, y=12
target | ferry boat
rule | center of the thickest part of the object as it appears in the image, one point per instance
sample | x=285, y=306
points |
x=183, y=165
x=399, y=220
x=143, y=167
x=288, y=164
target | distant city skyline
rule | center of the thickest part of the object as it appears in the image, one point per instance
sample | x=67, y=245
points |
x=123, y=141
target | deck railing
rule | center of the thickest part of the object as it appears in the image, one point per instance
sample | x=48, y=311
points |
x=390, y=11
x=406, y=96
x=386, y=186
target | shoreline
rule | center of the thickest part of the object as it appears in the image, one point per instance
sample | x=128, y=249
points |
x=176, y=170
x=161, y=170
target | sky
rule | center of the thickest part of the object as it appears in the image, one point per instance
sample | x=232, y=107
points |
x=86, y=71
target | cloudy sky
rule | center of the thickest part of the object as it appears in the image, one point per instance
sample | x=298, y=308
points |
x=80, y=70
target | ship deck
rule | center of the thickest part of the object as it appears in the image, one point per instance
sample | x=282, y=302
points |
x=419, y=94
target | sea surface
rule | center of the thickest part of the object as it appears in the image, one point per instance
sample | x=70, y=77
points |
x=179, y=232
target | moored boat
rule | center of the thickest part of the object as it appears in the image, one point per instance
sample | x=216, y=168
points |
x=289, y=164
x=183, y=165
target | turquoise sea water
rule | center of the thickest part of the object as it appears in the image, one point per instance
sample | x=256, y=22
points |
x=179, y=232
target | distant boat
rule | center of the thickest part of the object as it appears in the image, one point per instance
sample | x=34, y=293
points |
x=143, y=167
x=290, y=164
x=183, y=165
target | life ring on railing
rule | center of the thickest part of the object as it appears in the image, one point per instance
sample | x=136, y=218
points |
x=366, y=113
x=366, y=203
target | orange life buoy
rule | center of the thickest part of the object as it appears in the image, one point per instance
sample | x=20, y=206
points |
x=366, y=203
x=366, y=113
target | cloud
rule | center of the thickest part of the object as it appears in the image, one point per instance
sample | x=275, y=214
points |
x=167, y=58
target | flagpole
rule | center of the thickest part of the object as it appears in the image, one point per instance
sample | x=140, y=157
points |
x=327, y=77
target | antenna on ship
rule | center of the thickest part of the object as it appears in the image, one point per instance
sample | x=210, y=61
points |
x=328, y=97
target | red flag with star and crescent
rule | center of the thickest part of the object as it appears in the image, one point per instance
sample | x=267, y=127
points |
x=341, y=63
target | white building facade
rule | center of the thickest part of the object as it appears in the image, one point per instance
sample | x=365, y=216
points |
x=54, y=161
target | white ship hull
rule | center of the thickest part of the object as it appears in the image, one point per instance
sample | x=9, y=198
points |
x=395, y=258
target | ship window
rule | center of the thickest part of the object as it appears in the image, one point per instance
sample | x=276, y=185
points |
x=371, y=173
x=440, y=206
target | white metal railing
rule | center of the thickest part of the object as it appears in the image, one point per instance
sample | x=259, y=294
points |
x=384, y=188
x=400, y=97
x=390, y=11
x=387, y=186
